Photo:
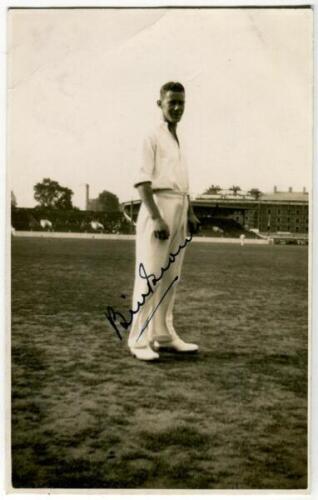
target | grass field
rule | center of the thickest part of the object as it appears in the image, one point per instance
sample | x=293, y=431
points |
x=85, y=414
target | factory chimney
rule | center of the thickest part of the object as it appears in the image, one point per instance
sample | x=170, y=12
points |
x=87, y=196
x=275, y=189
x=304, y=190
x=290, y=189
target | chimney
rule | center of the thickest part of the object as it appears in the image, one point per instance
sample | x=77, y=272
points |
x=304, y=190
x=275, y=189
x=290, y=189
x=87, y=196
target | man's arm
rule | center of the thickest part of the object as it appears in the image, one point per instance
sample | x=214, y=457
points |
x=161, y=229
x=193, y=221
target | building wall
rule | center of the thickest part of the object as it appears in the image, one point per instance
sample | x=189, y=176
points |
x=267, y=216
x=283, y=217
x=251, y=218
x=94, y=205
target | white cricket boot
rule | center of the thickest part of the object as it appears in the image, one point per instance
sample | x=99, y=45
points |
x=144, y=353
x=176, y=344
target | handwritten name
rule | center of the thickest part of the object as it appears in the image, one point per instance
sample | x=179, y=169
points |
x=116, y=318
x=155, y=309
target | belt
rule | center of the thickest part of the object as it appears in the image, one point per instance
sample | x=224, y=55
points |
x=170, y=191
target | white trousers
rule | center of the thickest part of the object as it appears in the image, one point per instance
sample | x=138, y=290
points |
x=154, y=318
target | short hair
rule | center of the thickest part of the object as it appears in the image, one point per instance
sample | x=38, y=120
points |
x=173, y=86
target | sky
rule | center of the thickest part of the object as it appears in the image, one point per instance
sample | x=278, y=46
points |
x=83, y=85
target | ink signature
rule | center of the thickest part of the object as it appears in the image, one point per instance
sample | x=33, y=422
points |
x=116, y=318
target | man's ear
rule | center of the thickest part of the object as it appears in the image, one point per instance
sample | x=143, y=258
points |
x=159, y=103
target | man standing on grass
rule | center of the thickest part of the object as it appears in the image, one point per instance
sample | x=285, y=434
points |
x=162, y=228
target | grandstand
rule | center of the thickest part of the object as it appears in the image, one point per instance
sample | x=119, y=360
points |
x=279, y=215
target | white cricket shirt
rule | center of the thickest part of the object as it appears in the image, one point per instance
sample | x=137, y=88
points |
x=162, y=161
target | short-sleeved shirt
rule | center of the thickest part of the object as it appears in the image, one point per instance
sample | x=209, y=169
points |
x=162, y=161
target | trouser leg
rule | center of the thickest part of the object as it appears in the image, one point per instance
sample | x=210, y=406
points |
x=164, y=322
x=154, y=254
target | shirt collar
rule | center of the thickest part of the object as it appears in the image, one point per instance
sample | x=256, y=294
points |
x=164, y=123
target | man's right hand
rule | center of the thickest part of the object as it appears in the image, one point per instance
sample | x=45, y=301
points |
x=161, y=229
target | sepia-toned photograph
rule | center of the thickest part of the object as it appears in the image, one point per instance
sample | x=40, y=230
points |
x=159, y=167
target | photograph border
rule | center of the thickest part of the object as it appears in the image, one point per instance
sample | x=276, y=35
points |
x=6, y=261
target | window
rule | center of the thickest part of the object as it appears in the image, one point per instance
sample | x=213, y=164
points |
x=269, y=211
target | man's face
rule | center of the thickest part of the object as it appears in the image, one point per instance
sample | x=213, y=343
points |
x=172, y=105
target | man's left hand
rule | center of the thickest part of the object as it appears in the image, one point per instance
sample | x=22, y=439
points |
x=193, y=223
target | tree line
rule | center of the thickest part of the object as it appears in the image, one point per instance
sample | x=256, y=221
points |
x=215, y=189
x=50, y=194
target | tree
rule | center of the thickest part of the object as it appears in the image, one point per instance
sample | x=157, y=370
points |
x=213, y=189
x=50, y=194
x=108, y=202
x=255, y=192
x=235, y=189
